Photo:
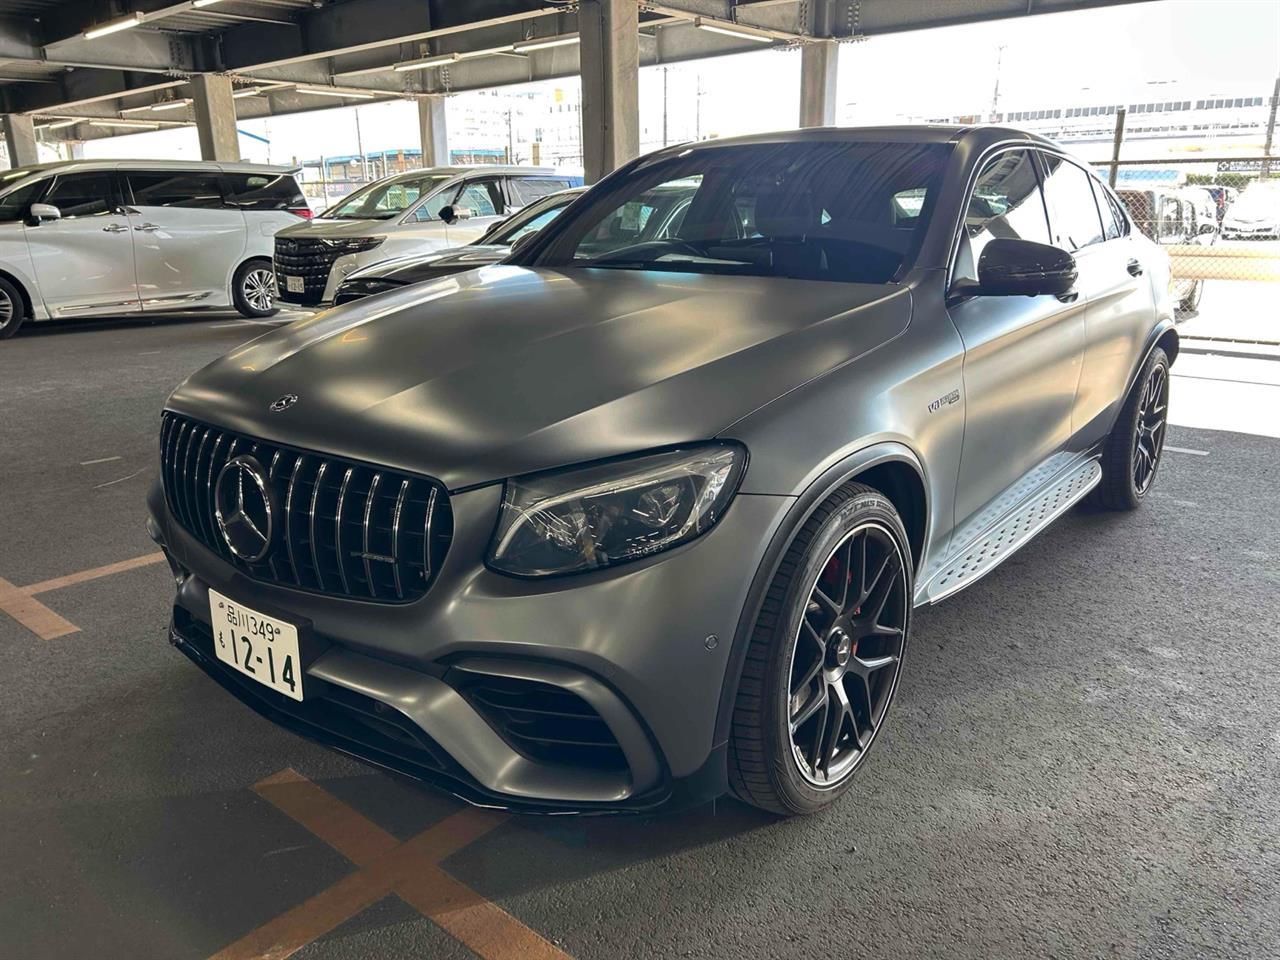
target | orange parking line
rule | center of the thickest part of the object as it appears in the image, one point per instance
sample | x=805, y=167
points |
x=33, y=614
x=57, y=583
x=410, y=869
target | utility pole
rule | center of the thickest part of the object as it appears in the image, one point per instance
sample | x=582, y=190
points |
x=995, y=94
x=1271, y=131
x=1115, y=147
x=664, y=106
x=364, y=162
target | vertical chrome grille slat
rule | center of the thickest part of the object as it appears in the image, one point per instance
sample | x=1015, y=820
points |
x=271, y=484
x=288, y=518
x=368, y=511
x=337, y=529
x=395, y=539
x=426, y=536
x=192, y=454
x=195, y=480
x=315, y=543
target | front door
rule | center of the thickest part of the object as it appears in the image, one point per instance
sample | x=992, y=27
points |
x=187, y=239
x=1022, y=354
x=84, y=262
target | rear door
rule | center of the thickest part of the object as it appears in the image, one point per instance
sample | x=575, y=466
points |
x=188, y=239
x=84, y=261
x=1022, y=354
x=1087, y=219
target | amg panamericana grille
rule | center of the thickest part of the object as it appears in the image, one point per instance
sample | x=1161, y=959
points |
x=340, y=527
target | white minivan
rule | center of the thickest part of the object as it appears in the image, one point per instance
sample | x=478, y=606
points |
x=116, y=237
x=405, y=214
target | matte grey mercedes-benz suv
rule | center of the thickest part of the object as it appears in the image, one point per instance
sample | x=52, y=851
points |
x=631, y=520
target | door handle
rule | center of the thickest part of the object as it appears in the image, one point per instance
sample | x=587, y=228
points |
x=1134, y=268
x=114, y=228
x=147, y=227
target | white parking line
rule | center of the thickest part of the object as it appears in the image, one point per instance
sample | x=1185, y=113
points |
x=90, y=463
x=1194, y=453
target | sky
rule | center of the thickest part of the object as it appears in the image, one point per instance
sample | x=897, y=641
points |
x=1106, y=55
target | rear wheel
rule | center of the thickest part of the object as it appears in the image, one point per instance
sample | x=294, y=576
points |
x=825, y=656
x=253, y=289
x=12, y=309
x=1131, y=454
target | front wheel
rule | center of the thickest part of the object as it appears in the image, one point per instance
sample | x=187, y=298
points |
x=12, y=309
x=253, y=289
x=1131, y=454
x=824, y=657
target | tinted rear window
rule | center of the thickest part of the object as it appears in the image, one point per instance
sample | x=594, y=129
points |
x=166, y=188
x=259, y=191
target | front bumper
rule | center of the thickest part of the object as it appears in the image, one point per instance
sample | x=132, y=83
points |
x=645, y=648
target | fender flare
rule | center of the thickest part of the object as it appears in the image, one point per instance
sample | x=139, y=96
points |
x=1158, y=333
x=805, y=503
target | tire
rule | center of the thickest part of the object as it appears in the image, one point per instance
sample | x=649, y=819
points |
x=771, y=765
x=1129, y=466
x=13, y=309
x=253, y=289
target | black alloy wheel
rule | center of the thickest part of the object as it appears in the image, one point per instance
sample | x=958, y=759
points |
x=825, y=655
x=1148, y=434
x=1131, y=453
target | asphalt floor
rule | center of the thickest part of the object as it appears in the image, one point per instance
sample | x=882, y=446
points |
x=1084, y=759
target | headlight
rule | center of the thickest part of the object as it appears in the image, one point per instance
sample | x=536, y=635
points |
x=597, y=516
x=352, y=244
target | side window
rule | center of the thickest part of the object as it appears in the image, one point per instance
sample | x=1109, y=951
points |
x=14, y=205
x=83, y=194
x=256, y=191
x=1073, y=214
x=176, y=189
x=1110, y=225
x=481, y=197
x=528, y=189
x=1117, y=211
x=1006, y=203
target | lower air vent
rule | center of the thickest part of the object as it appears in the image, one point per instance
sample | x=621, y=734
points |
x=544, y=722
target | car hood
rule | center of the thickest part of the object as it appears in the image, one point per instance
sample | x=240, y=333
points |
x=427, y=266
x=319, y=228
x=507, y=370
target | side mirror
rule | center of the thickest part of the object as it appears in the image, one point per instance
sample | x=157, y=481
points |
x=1208, y=227
x=1011, y=268
x=40, y=212
x=448, y=214
x=523, y=241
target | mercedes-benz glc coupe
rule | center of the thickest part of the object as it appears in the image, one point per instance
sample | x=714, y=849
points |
x=627, y=521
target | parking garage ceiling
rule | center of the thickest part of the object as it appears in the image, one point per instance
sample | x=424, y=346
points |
x=68, y=64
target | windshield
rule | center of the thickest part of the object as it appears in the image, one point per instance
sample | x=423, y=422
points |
x=384, y=199
x=531, y=218
x=814, y=210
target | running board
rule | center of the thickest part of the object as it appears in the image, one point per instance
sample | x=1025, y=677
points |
x=997, y=544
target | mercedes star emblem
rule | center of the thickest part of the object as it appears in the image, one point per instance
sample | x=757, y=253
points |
x=242, y=504
x=284, y=403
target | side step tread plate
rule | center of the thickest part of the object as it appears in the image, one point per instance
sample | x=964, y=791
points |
x=1014, y=530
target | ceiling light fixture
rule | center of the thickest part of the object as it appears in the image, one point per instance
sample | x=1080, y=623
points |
x=170, y=105
x=204, y=3
x=114, y=27
x=247, y=92
x=487, y=51
x=59, y=124
x=732, y=30
x=138, y=124
x=524, y=46
x=426, y=63
x=317, y=91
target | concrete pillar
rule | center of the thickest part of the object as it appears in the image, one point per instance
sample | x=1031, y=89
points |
x=434, y=130
x=215, y=113
x=20, y=137
x=610, y=63
x=819, y=64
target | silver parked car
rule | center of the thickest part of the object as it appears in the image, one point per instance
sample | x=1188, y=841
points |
x=631, y=520
x=87, y=238
x=493, y=245
x=407, y=213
